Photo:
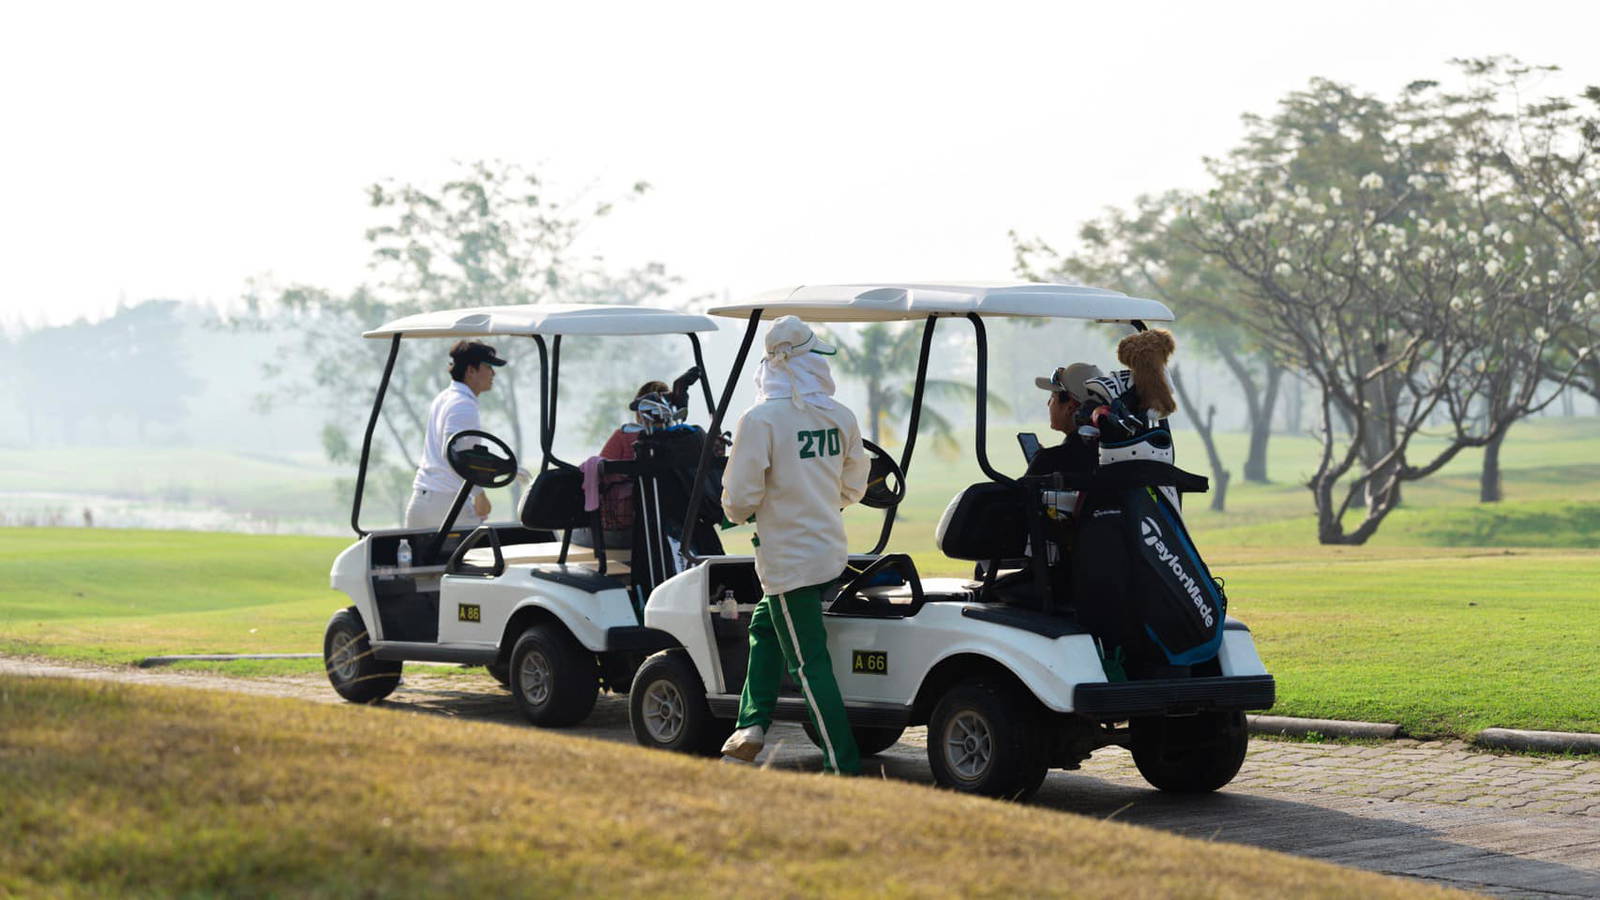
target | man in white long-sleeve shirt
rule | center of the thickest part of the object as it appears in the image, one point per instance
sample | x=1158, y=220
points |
x=472, y=366
x=796, y=461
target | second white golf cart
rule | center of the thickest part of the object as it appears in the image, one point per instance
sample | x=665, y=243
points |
x=552, y=620
x=1008, y=690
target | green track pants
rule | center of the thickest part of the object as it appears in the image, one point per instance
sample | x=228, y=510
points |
x=787, y=628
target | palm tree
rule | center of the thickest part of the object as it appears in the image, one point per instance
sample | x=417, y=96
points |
x=884, y=359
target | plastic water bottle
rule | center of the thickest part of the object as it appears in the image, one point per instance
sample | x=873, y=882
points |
x=730, y=607
x=403, y=555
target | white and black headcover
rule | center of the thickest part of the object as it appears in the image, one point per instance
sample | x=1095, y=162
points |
x=1106, y=388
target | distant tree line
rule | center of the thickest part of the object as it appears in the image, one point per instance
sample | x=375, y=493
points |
x=1429, y=264
x=101, y=382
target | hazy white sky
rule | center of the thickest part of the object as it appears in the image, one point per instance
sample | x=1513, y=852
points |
x=164, y=150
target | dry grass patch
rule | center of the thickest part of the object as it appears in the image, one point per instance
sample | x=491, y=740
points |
x=123, y=789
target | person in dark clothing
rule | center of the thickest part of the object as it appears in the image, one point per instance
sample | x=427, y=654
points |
x=1073, y=456
x=1067, y=395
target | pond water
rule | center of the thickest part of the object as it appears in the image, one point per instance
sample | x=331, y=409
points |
x=60, y=509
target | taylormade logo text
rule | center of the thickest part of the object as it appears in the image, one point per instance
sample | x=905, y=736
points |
x=1151, y=532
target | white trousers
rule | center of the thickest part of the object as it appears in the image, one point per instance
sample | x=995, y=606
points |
x=427, y=509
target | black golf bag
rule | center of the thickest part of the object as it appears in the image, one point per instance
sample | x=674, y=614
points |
x=1139, y=583
x=664, y=467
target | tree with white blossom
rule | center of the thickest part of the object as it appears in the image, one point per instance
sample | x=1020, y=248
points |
x=1429, y=264
x=1422, y=278
x=1134, y=251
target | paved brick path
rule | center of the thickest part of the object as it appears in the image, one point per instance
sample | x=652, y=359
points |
x=1439, y=811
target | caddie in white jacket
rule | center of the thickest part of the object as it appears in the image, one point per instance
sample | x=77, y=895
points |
x=796, y=461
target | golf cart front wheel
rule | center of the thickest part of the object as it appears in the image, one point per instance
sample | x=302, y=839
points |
x=870, y=741
x=1190, y=754
x=667, y=707
x=355, y=673
x=554, y=679
x=986, y=738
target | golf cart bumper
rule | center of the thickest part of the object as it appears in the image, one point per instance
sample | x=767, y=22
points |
x=638, y=638
x=1174, y=696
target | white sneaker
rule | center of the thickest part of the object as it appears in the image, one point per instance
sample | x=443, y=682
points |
x=745, y=743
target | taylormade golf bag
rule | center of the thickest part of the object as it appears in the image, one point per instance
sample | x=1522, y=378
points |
x=1139, y=582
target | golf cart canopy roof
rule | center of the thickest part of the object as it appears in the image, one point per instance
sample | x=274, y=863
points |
x=592, y=319
x=895, y=302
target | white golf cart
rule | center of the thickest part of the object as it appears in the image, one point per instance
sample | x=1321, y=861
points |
x=1008, y=690
x=552, y=620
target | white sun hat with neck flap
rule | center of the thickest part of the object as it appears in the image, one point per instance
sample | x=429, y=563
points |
x=790, y=337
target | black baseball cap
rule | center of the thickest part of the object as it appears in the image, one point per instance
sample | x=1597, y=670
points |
x=472, y=353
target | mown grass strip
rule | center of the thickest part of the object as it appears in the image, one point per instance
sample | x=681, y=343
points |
x=1445, y=641
x=192, y=793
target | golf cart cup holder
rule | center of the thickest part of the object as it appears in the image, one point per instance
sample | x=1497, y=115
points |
x=886, y=484
x=850, y=601
x=476, y=465
x=457, y=566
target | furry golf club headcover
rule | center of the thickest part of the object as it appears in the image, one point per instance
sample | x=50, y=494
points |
x=1146, y=353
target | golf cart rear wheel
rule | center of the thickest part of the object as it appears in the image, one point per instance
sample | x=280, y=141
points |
x=1190, y=754
x=667, y=707
x=986, y=738
x=870, y=741
x=554, y=679
x=500, y=672
x=356, y=674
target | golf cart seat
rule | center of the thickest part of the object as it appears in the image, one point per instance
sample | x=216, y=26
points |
x=983, y=523
x=898, y=600
x=546, y=553
x=554, y=502
x=890, y=588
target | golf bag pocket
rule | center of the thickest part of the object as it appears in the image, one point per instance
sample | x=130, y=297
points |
x=1180, y=605
x=1103, y=571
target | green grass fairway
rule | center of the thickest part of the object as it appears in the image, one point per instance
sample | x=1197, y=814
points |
x=189, y=793
x=114, y=596
x=1442, y=640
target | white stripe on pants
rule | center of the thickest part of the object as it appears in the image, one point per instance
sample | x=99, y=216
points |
x=805, y=684
x=427, y=509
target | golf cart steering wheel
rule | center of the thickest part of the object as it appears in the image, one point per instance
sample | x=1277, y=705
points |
x=886, y=484
x=476, y=465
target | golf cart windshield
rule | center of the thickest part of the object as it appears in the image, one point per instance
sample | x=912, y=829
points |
x=929, y=302
x=537, y=322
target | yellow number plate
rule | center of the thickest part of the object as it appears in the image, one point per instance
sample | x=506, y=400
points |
x=869, y=662
x=468, y=612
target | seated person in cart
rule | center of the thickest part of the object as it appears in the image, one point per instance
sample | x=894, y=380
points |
x=616, y=491
x=1067, y=396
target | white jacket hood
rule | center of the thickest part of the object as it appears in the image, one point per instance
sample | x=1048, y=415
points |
x=805, y=378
